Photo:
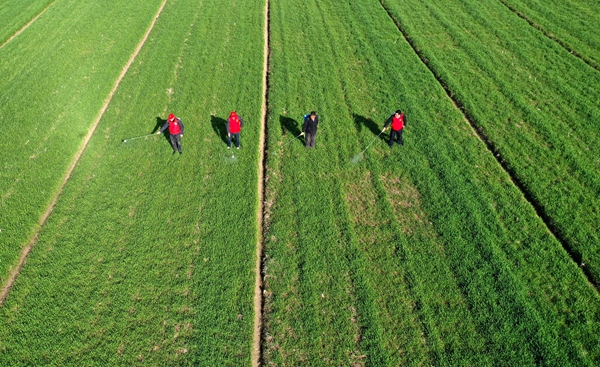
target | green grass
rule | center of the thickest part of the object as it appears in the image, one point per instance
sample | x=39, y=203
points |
x=148, y=257
x=16, y=14
x=534, y=102
x=573, y=23
x=55, y=78
x=424, y=254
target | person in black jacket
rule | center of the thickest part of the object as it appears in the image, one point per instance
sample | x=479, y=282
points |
x=398, y=121
x=309, y=129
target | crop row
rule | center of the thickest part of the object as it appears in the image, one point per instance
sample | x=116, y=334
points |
x=55, y=78
x=421, y=254
x=573, y=23
x=534, y=102
x=148, y=257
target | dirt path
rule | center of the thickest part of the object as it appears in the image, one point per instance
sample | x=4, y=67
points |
x=258, y=301
x=27, y=25
x=25, y=252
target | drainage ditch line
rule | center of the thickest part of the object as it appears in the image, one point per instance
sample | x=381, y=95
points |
x=539, y=209
x=549, y=36
x=260, y=213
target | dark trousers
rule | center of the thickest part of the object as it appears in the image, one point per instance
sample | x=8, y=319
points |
x=394, y=133
x=310, y=140
x=237, y=139
x=176, y=142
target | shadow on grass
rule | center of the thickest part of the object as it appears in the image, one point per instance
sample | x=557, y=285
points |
x=219, y=126
x=360, y=121
x=291, y=125
x=160, y=122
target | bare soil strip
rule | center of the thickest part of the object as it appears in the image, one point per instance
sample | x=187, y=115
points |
x=258, y=300
x=545, y=33
x=26, y=250
x=539, y=209
x=27, y=25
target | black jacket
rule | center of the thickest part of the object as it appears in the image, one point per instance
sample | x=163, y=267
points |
x=310, y=126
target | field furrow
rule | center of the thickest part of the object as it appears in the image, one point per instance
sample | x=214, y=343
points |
x=472, y=244
x=56, y=78
x=442, y=259
x=534, y=103
x=572, y=23
x=16, y=16
x=260, y=213
x=148, y=257
x=26, y=250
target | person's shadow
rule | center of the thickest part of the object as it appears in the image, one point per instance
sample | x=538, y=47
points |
x=160, y=122
x=360, y=121
x=289, y=124
x=219, y=125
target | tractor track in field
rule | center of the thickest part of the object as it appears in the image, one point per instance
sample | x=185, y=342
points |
x=27, y=25
x=550, y=36
x=26, y=250
x=539, y=208
x=260, y=213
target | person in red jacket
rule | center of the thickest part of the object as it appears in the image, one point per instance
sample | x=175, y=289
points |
x=234, y=126
x=398, y=121
x=175, y=127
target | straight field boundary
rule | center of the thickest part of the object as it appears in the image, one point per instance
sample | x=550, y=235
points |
x=260, y=213
x=549, y=36
x=26, y=250
x=25, y=27
x=492, y=148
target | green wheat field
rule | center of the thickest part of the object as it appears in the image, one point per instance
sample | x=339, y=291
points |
x=476, y=243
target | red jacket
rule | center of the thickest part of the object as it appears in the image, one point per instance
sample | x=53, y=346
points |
x=234, y=123
x=397, y=122
x=175, y=127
